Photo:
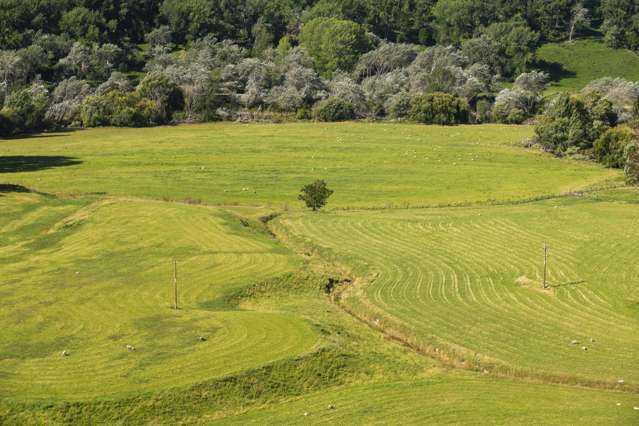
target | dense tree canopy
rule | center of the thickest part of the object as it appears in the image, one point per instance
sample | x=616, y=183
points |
x=145, y=62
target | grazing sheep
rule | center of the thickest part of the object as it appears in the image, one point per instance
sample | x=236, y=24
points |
x=201, y=338
x=65, y=353
x=130, y=348
x=331, y=407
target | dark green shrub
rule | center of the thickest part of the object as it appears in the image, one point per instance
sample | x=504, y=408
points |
x=315, y=195
x=505, y=114
x=96, y=111
x=165, y=95
x=631, y=168
x=7, y=125
x=574, y=121
x=121, y=109
x=483, y=109
x=438, y=108
x=28, y=107
x=399, y=107
x=304, y=114
x=334, y=109
x=334, y=44
x=610, y=148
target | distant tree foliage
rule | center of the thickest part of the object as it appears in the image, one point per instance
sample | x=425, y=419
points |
x=631, y=168
x=438, y=108
x=571, y=124
x=621, y=23
x=334, y=109
x=334, y=44
x=610, y=148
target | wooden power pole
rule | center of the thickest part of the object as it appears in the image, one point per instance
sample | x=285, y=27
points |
x=545, y=265
x=175, y=289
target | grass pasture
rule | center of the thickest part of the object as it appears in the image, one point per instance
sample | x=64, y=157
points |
x=91, y=277
x=368, y=165
x=448, y=400
x=468, y=280
x=440, y=228
x=573, y=65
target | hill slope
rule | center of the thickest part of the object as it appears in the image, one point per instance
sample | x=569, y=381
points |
x=573, y=66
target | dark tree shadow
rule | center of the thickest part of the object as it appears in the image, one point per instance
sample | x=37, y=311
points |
x=568, y=284
x=555, y=70
x=9, y=187
x=20, y=163
x=54, y=134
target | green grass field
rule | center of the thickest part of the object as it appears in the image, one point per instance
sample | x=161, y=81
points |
x=475, y=401
x=91, y=277
x=572, y=66
x=368, y=165
x=443, y=320
x=469, y=281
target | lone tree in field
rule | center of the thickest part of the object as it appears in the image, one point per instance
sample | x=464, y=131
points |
x=315, y=195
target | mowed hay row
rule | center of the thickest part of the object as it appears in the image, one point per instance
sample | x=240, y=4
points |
x=451, y=400
x=88, y=303
x=472, y=277
x=368, y=165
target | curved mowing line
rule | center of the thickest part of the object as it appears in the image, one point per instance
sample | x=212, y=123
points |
x=451, y=274
x=107, y=284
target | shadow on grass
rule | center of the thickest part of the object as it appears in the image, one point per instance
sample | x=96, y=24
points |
x=20, y=163
x=53, y=134
x=569, y=284
x=9, y=187
x=555, y=70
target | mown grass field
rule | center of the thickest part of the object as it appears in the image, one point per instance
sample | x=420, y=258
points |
x=474, y=401
x=368, y=165
x=469, y=281
x=443, y=321
x=573, y=65
x=91, y=277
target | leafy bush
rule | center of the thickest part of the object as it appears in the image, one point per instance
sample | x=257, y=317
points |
x=631, y=168
x=334, y=44
x=399, y=106
x=304, y=114
x=504, y=113
x=610, y=148
x=28, y=107
x=7, y=126
x=120, y=109
x=483, y=110
x=334, y=109
x=574, y=121
x=315, y=195
x=438, y=108
x=157, y=88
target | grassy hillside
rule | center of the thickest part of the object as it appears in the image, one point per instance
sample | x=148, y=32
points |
x=573, y=66
x=439, y=316
x=366, y=164
x=467, y=283
x=93, y=276
x=449, y=401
